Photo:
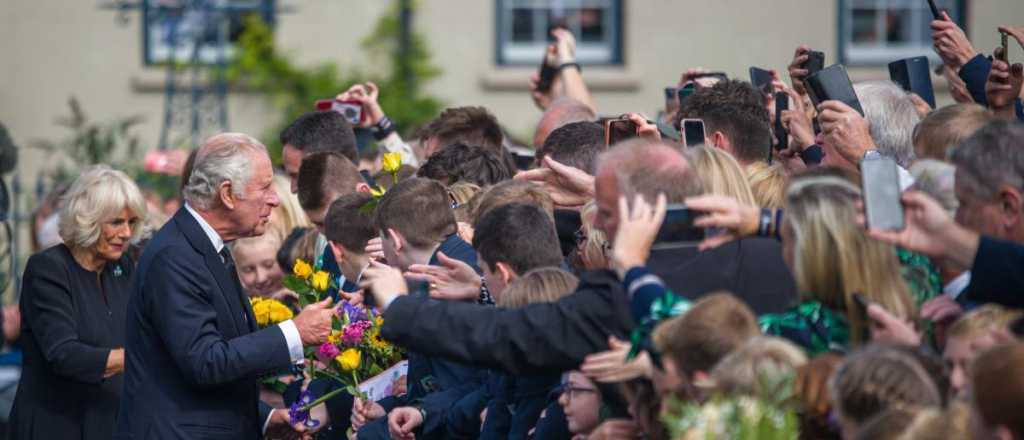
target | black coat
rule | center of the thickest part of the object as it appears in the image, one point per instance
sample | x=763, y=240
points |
x=71, y=319
x=194, y=355
x=546, y=337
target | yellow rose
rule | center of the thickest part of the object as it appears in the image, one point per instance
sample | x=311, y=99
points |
x=261, y=310
x=279, y=312
x=392, y=162
x=321, y=280
x=348, y=359
x=302, y=269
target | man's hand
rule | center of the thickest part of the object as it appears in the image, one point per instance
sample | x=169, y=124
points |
x=375, y=249
x=364, y=412
x=887, y=328
x=951, y=43
x=846, y=129
x=644, y=129
x=726, y=213
x=280, y=427
x=797, y=73
x=12, y=322
x=403, y=421
x=314, y=323
x=384, y=282
x=797, y=123
x=612, y=365
x=942, y=311
x=569, y=187
x=366, y=95
x=636, y=231
x=616, y=429
x=929, y=230
x=453, y=280
x=1003, y=86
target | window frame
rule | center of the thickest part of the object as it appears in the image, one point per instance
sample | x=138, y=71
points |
x=617, y=13
x=267, y=9
x=873, y=57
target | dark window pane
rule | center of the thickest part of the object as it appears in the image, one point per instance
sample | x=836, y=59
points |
x=522, y=25
x=592, y=25
x=864, y=29
x=897, y=26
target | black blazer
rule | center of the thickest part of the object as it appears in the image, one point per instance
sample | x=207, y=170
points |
x=545, y=337
x=194, y=355
x=70, y=321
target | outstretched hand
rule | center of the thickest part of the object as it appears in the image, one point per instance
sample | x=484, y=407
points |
x=845, y=129
x=1004, y=85
x=569, y=187
x=384, y=282
x=725, y=213
x=314, y=322
x=929, y=230
x=638, y=226
x=452, y=280
x=612, y=366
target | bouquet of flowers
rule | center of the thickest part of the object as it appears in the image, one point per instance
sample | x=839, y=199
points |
x=270, y=312
x=768, y=415
x=353, y=352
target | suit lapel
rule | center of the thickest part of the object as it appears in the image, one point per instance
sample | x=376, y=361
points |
x=197, y=238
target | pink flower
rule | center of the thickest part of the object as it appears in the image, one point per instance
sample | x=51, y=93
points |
x=327, y=352
x=353, y=333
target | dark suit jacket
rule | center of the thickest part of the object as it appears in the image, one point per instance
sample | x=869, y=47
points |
x=997, y=274
x=541, y=338
x=69, y=325
x=193, y=352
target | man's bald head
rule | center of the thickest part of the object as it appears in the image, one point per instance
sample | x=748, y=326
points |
x=641, y=167
x=561, y=111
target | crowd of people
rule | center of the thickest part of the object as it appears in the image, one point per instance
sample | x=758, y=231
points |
x=533, y=290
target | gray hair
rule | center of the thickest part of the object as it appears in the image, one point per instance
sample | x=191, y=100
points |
x=892, y=116
x=936, y=178
x=98, y=195
x=992, y=157
x=649, y=168
x=223, y=157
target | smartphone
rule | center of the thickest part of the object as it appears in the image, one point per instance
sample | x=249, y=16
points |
x=685, y=92
x=545, y=75
x=671, y=100
x=781, y=104
x=678, y=228
x=761, y=79
x=881, y=184
x=833, y=83
x=693, y=132
x=914, y=75
x=935, y=10
x=351, y=110
x=815, y=62
x=1006, y=46
x=618, y=130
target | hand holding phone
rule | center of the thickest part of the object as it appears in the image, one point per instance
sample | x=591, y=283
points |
x=914, y=75
x=935, y=10
x=815, y=62
x=781, y=105
x=761, y=79
x=351, y=110
x=1005, y=41
x=678, y=227
x=833, y=84
x=693, y=132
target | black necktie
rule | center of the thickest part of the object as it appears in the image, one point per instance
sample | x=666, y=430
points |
x=229, y=265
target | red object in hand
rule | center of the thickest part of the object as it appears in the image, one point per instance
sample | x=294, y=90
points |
x=351, y=110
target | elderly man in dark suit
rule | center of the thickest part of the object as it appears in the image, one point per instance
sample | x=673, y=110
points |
x=194, y=351
x=557, y=336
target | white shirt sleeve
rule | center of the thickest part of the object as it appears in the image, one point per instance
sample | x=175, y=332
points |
x=291, y=334
x=394, y=144
x=266, y=423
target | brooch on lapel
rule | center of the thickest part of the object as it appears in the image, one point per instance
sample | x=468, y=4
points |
x=117, y=271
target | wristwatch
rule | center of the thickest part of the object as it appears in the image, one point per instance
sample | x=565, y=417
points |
x=871, y=154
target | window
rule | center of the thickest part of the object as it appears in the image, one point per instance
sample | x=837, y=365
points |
x=523, y=25
x=178, y=28
x=874, y=32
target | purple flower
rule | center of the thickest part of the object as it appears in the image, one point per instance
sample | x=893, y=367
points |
x=355, y=313
x=327, y=352
x=297, y=415
x=353, y=333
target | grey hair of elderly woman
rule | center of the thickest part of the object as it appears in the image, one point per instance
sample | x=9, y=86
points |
x=892, y=116
x=98, y=195
x=223, y=157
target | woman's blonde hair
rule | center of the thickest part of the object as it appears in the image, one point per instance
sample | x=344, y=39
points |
x=289, y=214
x=99, y=194
x=768, y=184
x=246, y=242
x=833, y=258
x=879, y=378
x=762, y=360
x=721, y=174
x=595, y=248
x=460, y=194
x=982, y=320
x=545, y=284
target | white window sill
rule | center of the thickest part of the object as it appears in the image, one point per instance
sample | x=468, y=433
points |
x=598, y=79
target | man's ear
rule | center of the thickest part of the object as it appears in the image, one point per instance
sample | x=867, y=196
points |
x=718, y=140
x=226, y=194
x=362, y=187
x=338, y=250
x=506, y=272
x=1011, y=202
x=397, y=239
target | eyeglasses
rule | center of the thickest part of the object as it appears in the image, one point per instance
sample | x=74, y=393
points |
x=568, y=390
x=580, y=236
x=451, y=197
